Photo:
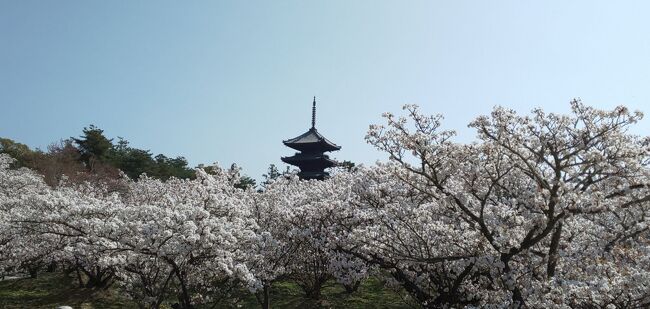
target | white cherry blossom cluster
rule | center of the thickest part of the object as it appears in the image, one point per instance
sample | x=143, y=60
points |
x=541, y=211
x=553, y=208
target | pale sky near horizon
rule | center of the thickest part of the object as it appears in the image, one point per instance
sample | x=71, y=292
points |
x=227, y=81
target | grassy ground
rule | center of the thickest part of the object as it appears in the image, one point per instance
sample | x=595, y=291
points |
x=52, y=289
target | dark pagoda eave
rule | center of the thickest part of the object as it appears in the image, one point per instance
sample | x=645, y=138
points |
x=317, y=147
x=294, y=160
x=313, y=175
x=311, y=140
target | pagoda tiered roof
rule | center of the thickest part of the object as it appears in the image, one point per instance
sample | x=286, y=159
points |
x=319, y=160
x=311, y=141
x=311, y=159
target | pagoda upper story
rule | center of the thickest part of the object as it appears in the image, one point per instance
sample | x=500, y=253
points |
x=311, y=159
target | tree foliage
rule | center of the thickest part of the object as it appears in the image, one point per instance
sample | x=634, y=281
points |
x=93, y=146
x=541, y=211
x=95, y=156
x=20, y=152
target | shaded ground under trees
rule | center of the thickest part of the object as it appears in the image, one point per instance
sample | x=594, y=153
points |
x=52, y=289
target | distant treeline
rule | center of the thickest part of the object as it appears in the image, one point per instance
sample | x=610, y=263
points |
x=94, y=157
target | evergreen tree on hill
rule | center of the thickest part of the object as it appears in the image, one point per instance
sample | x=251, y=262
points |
x=93, y=146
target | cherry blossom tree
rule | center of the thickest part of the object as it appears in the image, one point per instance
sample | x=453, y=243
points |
x=179, y=236
x=270, y=256
x=19, y=248
x=525, y=200
x=540, y=211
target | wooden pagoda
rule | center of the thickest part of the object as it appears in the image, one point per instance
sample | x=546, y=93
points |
x=311, y=158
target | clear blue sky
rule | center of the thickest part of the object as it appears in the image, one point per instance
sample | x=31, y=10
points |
x=227, y=81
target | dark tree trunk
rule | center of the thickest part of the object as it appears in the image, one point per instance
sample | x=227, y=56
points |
x=353, y=287
x=313, y=291
x=517, y=298
x=184, y=299
x=79, y=278
x=33, y=272
x=264, y=297
x=97, y=277
x=553, y=251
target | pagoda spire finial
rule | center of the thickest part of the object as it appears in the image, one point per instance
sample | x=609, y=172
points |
x=313, y=114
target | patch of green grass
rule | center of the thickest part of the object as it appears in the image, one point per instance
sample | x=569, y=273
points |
x=53, y=289
x=371, y=294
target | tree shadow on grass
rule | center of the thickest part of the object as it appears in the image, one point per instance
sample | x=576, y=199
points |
x=54, y=289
